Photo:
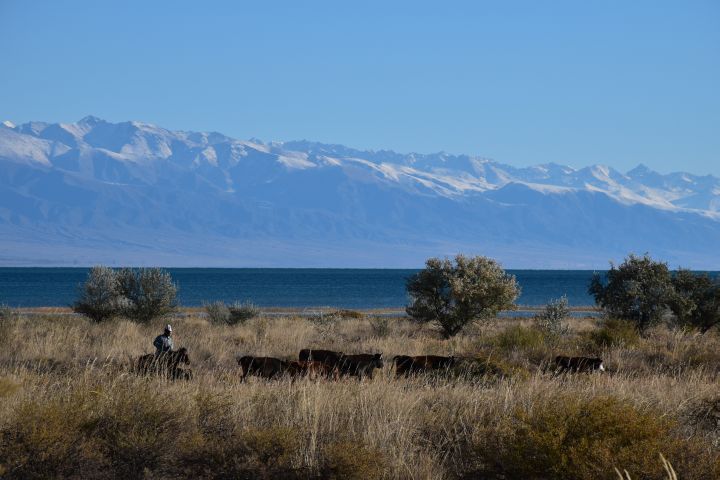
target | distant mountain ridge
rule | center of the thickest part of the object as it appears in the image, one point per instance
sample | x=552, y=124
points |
x=135, y=193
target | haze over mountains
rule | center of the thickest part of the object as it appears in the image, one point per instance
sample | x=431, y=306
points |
x=133, y=193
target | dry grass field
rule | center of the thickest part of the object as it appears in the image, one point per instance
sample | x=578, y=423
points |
x=70, y=408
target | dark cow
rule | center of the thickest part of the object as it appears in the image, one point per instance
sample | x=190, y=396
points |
x=361, y=365
x=406, y=365
x=265, y=367
x=312, y=369
x=578, y=364
x=165, y=364
x=328, y=357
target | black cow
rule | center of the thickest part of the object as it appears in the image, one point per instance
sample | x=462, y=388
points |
x=578, y=364
x=406, y=365
x=265, y=367
x=361, y=365
x=328, y=357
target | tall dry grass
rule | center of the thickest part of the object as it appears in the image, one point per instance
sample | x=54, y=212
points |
x=70, y=408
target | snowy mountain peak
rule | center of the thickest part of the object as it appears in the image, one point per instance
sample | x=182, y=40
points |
x=8, y=124
x=97, y=176
x=90, y=121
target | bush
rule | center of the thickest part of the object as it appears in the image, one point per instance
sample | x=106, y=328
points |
x=696, y=302
x=263, y=453
x=453, y=295
x=380, y=326
x=491, y=367
x=614, y=333
x=639, y=290
x=100, y=298
x=550, y=321
x=139, y=294
x=578, y=438
x=50, y=440
x=242, y=312
x=217, y=312
x=148, y=293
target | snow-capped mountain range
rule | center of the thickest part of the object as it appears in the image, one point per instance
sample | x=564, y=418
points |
x=134, y=193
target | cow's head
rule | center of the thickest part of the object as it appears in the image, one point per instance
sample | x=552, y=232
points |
x=378, y=360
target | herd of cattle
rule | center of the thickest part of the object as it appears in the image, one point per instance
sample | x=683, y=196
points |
x=315, y=363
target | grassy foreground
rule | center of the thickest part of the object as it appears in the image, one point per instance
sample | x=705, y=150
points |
x=69, y=408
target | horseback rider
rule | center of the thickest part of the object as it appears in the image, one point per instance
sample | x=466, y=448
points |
x=164, y=343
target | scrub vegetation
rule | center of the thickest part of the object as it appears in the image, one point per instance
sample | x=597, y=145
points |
x=71, y=408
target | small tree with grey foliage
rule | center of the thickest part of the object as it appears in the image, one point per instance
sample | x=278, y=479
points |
x=453, y=294
x=100, y=297
x=550, y=321
x=148, y=293
x=217, y=312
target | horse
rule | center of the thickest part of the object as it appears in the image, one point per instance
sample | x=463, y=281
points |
x=166, y=364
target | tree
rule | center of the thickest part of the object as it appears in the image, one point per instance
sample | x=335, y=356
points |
x=696, y=302
x=639, y=290
x=100, y=297
x=148, y=293
x=550, y=321
x=453, y=295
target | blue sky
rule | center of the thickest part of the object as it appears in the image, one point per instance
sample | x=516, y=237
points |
x=523, y=82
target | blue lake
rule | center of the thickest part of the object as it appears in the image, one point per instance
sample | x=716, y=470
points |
x=269, y=287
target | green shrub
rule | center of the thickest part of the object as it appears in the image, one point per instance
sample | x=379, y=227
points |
x=353, y=461
x=696, y=302
x=639, y=290
x=578, y=438
x=50, y=439
x=492, y=367
x=140, y=430
x=455, y=294
x=240, y=312
x=380, y=326
x=217, y=312
x=271, y=449
x=614, y=333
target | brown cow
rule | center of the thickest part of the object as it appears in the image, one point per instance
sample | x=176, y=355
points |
x=578, y=364
x=164, y=364
x=406, y=365
x=361, y=365
x=328, y=357
x=312, y=369
x=265, y=367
